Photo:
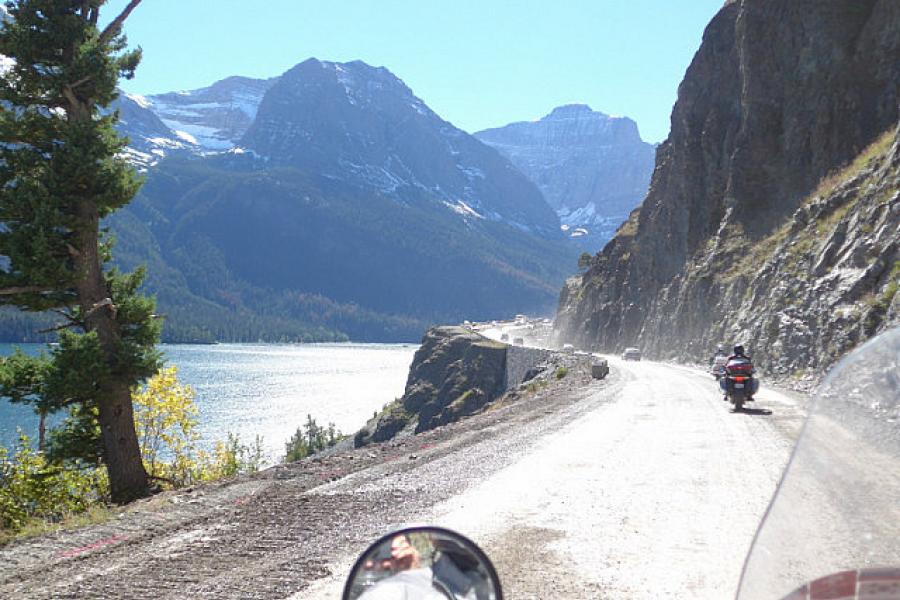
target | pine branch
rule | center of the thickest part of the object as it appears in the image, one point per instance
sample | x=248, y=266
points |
x=81, y=81
x=113, y=28
x=55, y=329
x=68, y=317
x=26, y=289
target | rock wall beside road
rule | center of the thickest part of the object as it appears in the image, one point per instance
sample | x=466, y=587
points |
x=520, y=360
x=772, y=218
x=455, y=373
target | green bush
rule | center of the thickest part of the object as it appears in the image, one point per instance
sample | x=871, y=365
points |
x=310, y=439
x=561, y=372
x=31, y=488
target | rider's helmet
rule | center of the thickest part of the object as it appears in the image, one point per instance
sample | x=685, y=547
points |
x=720, y=349
x=739, y=350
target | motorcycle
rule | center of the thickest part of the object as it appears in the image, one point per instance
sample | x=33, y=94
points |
x=738, y=382
x=718, y=366
x=836, y=509
x=718, y=371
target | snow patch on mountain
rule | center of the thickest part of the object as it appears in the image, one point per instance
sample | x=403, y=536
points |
x=139, y=100
x=217, y=116
x=463, y=209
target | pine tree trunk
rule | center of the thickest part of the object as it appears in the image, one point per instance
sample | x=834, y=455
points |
x=128, y=479
x=42, y=431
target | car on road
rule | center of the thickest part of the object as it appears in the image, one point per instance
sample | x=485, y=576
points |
x=631, y=354
x=504, y=337
x=599, y=368
x=518, y=341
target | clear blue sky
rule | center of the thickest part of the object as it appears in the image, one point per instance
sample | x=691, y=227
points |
x=477, y=63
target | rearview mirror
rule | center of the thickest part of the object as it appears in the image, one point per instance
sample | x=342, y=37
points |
x=423, y=563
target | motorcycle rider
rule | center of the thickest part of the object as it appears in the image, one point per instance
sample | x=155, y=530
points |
x=409, y=579
x=740, y=354
x=718, y=362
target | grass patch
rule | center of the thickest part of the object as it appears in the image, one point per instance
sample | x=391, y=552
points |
x=829, y=222
x=457, y=404
x=863, y=160
x=887, y=296
x=629, y=227
x=561, y=372
x=94, y=515
x=799, y=252
x=535, y=385
x=754, y=257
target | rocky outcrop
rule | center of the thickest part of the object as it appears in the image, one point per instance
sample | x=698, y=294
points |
x=778, y=96
x=455, y=373
x=593, y=169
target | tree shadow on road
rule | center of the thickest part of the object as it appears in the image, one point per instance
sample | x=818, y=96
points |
x=754, y=411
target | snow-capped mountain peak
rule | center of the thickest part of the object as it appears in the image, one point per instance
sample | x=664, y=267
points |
x=215, y=117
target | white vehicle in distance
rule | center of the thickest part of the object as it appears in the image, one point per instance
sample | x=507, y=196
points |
x=568, y=348
x=631, y=354
x=521, y=319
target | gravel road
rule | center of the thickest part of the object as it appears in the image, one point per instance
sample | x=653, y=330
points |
x=643, y=485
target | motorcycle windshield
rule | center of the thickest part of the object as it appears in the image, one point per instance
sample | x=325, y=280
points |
x=837, y=507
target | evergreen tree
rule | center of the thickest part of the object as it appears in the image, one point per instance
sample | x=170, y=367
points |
x=61, y=172
x=584, y=261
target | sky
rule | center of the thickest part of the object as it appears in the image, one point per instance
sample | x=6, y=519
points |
x=477, y=63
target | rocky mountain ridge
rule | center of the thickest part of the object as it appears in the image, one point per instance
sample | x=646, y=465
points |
x=593, y=169
x=346, y=202
x=345, y=121
x=362, y=124
x=777, y=97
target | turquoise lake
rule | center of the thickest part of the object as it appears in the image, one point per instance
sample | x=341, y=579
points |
x=268, y=389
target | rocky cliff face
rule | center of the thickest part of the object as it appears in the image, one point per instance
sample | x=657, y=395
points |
x=778, y=96
x=454, y=373
x=593, y=169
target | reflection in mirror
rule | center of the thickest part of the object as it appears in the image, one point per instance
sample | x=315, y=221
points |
x=423, y=563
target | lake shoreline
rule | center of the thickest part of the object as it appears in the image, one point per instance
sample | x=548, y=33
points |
x=268, y=389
